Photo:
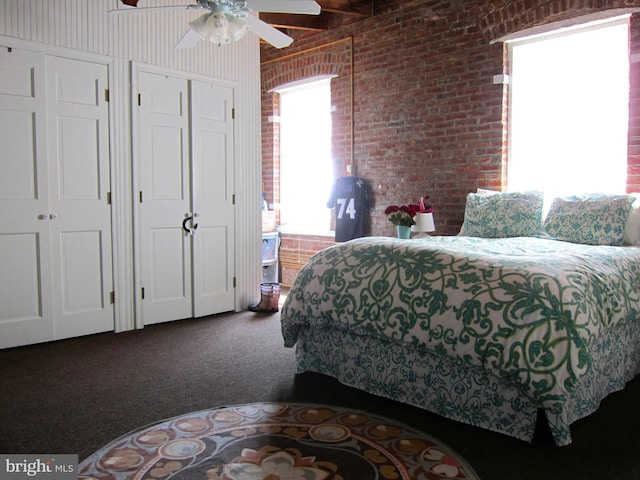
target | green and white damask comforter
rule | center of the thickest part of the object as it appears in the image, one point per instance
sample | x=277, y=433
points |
x=527, y=310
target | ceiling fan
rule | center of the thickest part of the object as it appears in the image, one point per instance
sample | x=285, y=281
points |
x=226, y=21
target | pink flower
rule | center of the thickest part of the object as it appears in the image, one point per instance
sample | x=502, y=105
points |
x=391, y=209
x=403, y=214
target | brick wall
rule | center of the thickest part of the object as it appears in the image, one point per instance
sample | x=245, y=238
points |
x=416, y=109
x=295, y=251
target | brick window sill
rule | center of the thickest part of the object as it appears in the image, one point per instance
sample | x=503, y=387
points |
x=292, y=230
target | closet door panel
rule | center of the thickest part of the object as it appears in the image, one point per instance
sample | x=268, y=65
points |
x=81, y=224
x=26, y=315
x=18, y=167
x=213, y=202
x=20, y=277
x=79, y=159
x=164, y=198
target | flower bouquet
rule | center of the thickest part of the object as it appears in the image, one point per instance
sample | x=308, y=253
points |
x=403, y=216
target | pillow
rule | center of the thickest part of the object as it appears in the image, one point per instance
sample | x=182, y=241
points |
x=591, y=219
x=632, y=230
x=486, y=191
x=500, y=215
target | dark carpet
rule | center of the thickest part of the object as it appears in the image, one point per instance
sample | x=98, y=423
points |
x=77, y=395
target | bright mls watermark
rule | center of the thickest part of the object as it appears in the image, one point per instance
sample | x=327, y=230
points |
x=50, y=467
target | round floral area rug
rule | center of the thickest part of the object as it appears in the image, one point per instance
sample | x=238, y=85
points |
x=276, y=441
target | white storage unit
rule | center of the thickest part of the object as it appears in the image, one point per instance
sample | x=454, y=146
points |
x=270, y=263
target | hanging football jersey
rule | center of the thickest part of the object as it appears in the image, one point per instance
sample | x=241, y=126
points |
x=350, y=198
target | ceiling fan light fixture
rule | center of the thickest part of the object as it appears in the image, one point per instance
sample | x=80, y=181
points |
x=199, y=25
x=237, y=28
x=240, y=9
x=217, y=23
x=218, y=26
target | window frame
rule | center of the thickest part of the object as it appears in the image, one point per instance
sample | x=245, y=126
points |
x=294, y=227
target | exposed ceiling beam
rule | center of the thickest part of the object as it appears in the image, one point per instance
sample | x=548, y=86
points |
x=315, y=23
x=359, y=8
x=319, y=23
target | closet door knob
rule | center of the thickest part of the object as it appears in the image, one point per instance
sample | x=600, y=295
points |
x=184, y=224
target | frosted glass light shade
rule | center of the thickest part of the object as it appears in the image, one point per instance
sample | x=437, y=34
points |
x=199, y=25
x=220, y=26
x=237, y=28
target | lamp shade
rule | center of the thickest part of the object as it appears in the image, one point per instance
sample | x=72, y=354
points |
x=218, y=26
x=237, y=28
x=199, y=25
x=424, y=222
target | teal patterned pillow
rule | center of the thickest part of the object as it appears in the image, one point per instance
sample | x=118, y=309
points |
x=591, y=219
x=500, y=215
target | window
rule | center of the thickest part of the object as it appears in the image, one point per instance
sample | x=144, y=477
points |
x=305, y=156
x=568, y=110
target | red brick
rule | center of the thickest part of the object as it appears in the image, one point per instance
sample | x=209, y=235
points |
x=427, y=117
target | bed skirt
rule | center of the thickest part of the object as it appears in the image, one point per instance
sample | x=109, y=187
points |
x=462, y=392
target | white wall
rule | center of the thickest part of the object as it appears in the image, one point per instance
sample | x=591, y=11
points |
x=80, y=28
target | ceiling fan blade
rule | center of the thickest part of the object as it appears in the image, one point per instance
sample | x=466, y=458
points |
x=188, y=40
x=265, y=31
x=309, y=7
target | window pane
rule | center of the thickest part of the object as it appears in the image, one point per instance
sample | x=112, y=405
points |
x=305, y=157
x=569, y=112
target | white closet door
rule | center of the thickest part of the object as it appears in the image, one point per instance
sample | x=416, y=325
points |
x=186, y=212
x=213, y=241
x=80, y=221
x=165, y=194
x=55, y=223
x=25, y=276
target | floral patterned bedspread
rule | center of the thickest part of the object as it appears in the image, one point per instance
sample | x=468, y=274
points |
x=524, y=308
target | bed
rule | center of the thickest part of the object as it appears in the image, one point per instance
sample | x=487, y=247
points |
x=489, y=327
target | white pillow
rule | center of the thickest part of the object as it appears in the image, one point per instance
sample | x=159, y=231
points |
x=486, y=191
x=590, y=219
x=632, y=230
x=480, y=191
x=502, y=215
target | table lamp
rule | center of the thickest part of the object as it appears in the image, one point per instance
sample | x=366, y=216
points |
x=424, y=224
